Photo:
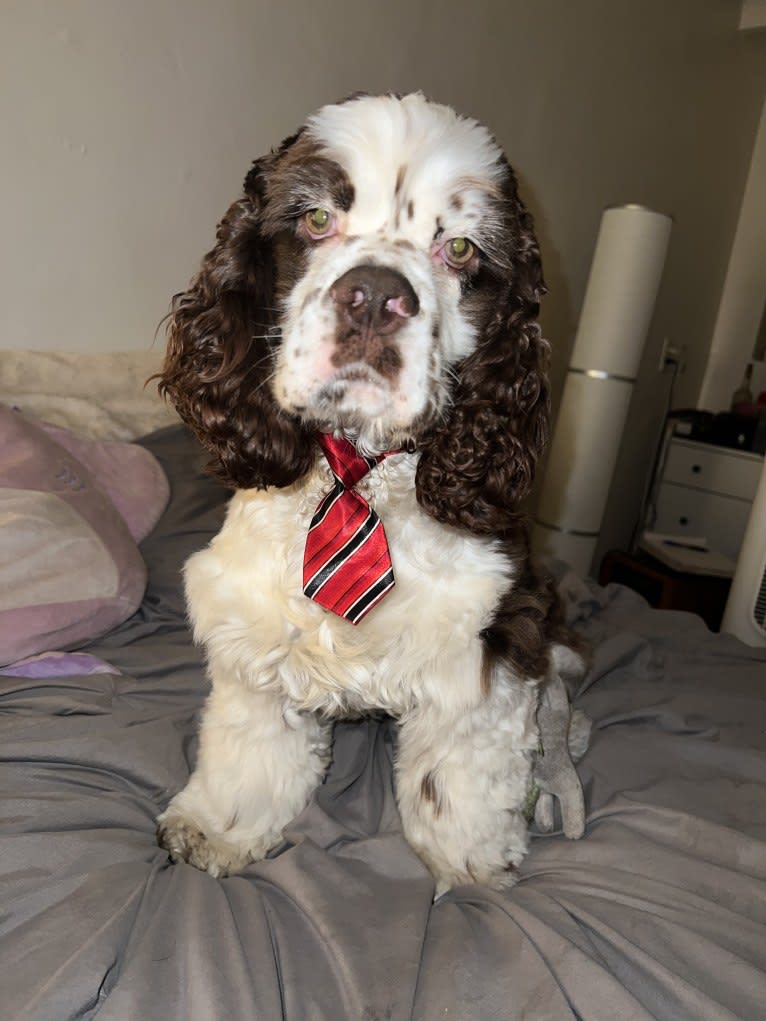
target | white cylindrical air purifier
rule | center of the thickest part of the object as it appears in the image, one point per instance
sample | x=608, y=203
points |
x=617, y=309
x=745, y=614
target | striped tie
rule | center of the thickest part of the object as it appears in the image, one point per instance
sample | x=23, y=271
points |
x=346, y=564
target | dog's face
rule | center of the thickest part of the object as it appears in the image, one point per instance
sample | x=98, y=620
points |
x=380, y=278
x=388, y=213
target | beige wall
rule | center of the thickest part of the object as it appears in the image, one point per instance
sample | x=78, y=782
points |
x=741, y=308
x=127, y=126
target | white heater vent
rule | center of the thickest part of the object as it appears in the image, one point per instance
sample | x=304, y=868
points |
x=759, y=610
x=745, y=614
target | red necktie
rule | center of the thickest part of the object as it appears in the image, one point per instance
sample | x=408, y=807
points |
x=346, y=564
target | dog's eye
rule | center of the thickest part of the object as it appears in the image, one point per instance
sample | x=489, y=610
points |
x=458, y=252
x=319, y=222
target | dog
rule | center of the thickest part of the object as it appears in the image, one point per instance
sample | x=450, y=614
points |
x=364, y=335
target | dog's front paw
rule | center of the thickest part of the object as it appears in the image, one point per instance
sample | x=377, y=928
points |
x=185, y=841
x=494, y=866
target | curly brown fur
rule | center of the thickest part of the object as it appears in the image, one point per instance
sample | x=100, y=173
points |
x=528, y=621
x=478, y=463
x=221, y=339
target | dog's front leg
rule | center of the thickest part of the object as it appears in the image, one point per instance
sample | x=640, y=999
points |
x=258, y=763
x=463, y=776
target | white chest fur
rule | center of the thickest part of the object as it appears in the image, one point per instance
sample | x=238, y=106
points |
x=248, y=608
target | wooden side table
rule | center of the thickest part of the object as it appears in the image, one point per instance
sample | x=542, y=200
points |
x=666, y=589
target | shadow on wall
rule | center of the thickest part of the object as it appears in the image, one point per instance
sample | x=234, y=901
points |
x=557, y=318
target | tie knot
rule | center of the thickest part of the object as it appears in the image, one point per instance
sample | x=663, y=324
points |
x=347, y=465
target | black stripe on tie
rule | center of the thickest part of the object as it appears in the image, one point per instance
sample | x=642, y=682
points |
x=326, y=505
x=358, y=608
x=360, y=536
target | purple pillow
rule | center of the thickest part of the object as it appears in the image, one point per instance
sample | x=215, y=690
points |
x=128, y=474
x=70, y=569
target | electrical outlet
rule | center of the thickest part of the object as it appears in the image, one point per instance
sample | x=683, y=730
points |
x=672, y=354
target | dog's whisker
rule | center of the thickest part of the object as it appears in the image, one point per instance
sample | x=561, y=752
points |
x=264, y=382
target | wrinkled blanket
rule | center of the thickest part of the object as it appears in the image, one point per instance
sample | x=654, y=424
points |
x=658, y=912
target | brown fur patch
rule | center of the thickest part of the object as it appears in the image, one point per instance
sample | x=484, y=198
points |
x=528, y=619
x=381, y=353
x=300, y=178
x=430, y=794
x=485, y=676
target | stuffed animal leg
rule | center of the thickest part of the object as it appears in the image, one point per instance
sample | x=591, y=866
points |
x=564, y=737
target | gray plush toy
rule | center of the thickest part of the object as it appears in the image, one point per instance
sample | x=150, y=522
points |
x=564, y=737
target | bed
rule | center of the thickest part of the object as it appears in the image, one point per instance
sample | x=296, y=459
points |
x=658, y=912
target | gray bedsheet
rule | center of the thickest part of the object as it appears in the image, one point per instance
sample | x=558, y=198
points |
x=658, y=912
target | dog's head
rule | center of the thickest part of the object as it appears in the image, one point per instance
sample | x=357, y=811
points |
x=380, y=278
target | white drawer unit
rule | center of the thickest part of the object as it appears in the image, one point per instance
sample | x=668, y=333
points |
x=713, y=469
x=707, y=491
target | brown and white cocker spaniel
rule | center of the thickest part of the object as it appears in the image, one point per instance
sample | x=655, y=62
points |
x=375, y=292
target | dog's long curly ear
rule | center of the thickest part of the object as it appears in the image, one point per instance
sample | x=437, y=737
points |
x=479, y=463
x=219, y=360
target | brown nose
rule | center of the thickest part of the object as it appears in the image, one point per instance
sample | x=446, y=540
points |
x=375, y=299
